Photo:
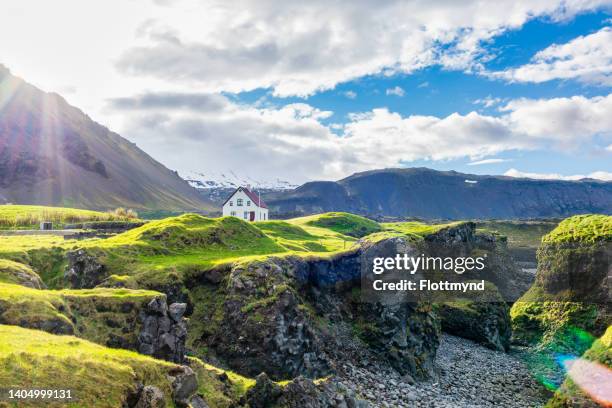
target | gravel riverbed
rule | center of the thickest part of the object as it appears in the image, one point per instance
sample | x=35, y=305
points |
x=469, y=375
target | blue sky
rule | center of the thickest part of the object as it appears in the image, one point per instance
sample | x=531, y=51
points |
x=441, y=92
x=300, y=91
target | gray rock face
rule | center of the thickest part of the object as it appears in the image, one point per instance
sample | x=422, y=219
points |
x=83, y=270
x=487, y=323
x=184, y=384
x=162, y=335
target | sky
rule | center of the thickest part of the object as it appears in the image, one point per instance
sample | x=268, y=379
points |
x=318, y=90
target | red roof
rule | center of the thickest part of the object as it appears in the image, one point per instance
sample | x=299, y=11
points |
x=254, y=197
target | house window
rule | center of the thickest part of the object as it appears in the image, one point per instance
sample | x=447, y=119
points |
x=231, y=203
x=246, y=215
x=248, y=203
x=233, y=213
x=239, y=202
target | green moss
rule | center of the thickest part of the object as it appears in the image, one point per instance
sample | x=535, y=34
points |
x=98, y=376
x=94, y=314
x=417, y=228
x=219, y=393
x=583, y=229
x=344, y=223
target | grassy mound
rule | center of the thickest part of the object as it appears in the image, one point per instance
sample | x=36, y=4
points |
x=344, y=223
x=98, y=376
x=99, y=315
x=30, y=216
x=18, y=273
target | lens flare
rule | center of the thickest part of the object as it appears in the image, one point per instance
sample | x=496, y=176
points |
x=592, y=378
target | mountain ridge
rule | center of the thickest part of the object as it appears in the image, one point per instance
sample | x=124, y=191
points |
x=431, y=194
x=52, y=153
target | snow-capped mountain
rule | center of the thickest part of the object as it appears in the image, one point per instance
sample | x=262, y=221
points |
x=229, y=179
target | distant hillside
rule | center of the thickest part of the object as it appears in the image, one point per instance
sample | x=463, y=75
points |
x=51, y=153
x=431, y=194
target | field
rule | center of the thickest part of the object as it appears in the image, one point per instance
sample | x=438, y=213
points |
x=30, y=216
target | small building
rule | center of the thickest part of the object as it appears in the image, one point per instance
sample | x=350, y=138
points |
x=46, y=226
x=245, y=204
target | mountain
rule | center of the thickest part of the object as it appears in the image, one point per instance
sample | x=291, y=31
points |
x=431, y=194
x=52, y=153
x=229, y=179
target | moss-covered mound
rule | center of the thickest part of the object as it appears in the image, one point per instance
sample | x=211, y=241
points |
x=105, y=316
x=570, y=288
x=345, y=223
x=590, y=228
x=568, y=305
x=100, y=376
x=20, y=274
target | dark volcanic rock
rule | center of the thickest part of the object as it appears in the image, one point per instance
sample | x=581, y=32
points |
x=482, y=320
x=431, y=194
x=83, y=270
x=163, y=336
x=151, y=397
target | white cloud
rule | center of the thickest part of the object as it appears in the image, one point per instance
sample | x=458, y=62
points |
x=586, y=58
x=299, y=48
x=564, y=120
x=423, y=85
x=397, y=91
x=350, y=94
x=598, y=175
x=292, y=142
x=609, y=148
x=487, y=161
x=488, y=101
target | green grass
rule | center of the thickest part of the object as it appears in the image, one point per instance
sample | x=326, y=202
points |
x=341, y=222
x=98, y=376
x=519, y=233
x=17, y=273
x=83, y=312
x=582, y=229
x=30, y=216
x=415, y=228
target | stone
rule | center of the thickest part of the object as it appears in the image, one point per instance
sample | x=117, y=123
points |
x=264, y=393
x=83, y=270
x=151, y=397
x=176, y=311
x=184, y=384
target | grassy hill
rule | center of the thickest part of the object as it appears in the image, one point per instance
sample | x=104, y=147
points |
x=99, y=376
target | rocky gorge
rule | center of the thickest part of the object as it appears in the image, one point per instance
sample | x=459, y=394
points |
x=294, y=330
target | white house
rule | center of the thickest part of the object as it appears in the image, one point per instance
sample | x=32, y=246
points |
x=245, y=204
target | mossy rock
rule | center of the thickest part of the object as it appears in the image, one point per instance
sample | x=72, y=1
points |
x=483, y=318
x=20, y=274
